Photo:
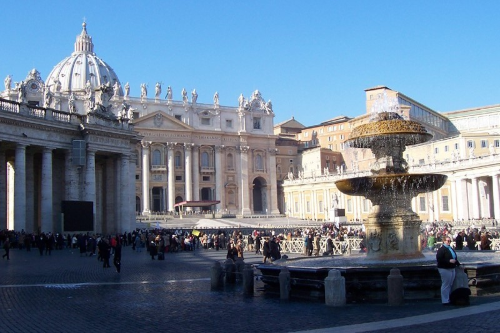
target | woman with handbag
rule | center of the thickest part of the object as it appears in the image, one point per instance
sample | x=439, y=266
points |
x=446, y=262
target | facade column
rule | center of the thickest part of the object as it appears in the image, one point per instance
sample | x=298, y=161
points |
x=20, y=188
x=124, y=203
x=453, y=196
x=47, y=220
x=435, y=198
x=3, y=189
x=146, y=205
x=171, y=176
x=243, y=176
x=133, y=203
x=274, y=183
x=496, y=197
x=475, y=199
x=90, y=182
x=188, y=172
x=71, y=179
x=195, y=167
x=218, y=178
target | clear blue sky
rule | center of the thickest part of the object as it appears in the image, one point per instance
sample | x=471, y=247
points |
x=313, y=59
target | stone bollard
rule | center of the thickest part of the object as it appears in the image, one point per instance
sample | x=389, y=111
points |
x=248, y=277
x=230, y=268
x=216, y=280
x=285, y=285
x=239, y=267
x=395, y=291
x=335, y=289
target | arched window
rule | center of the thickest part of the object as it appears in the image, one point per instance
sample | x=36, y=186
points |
x=259, y=166
x=205, y=161
x=177, y=160
x=156, y=157
x=230, y=162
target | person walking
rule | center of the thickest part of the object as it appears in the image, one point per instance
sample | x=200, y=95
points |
x=117, y=259
x=446, y=262
x=6, y=247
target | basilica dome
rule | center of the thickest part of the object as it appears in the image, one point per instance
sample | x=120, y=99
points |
x=73, y=72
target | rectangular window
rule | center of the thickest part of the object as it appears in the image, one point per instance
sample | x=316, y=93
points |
x=446, y=148
x=421, y=162
x=229, y=123
x=422, y=204
x=497, y=143
x=436, y=150
x=470, y=144
x=206, y=178
x=256, y=123
x=446, y=208
x=205, y=121
x=178, y=178
x=484, y=144
x=456, y=146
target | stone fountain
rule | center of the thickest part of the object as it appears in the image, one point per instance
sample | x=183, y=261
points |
x=392, y=229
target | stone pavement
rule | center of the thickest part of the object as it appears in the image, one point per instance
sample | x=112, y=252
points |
x=65, y=292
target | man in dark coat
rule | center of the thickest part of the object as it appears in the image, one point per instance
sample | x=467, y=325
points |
x=459, y=241
x=266, y=250
x=117, y=260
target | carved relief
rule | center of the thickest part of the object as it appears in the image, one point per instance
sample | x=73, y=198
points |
x=392, y=241
x=374, y=241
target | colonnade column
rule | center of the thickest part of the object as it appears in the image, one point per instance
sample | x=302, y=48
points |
x=146, y=209
x=218, y=177
x=20, y=188
x=3, y=189
x=274, y=190
x=132, y=171
x=475, y=198
x=454, y=200
x=47, y=220
x=196, y=173
x=171, y=177
x=90, y=181
x=243, y=176
x=461, y=200
x=496, y=197
x=71, y=181
x=124, y=203
x=188, y=172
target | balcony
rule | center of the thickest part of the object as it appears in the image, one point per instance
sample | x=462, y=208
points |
x=158, y=168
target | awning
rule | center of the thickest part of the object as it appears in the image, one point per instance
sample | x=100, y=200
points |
x=203, y=203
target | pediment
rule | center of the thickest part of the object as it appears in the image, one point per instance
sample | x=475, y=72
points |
x=160, y=120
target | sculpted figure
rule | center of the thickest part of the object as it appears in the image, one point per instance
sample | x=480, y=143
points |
x=47, y=97
x=184, y=95
x=169, y=93
x=194, y=96
x=57, y=85
x=127, y=89
x=241, y=101
x=21, y=92
x=116, y=89
x=157, y=90
x=216, y=99
x=8, y=82
x=144, y=91
x=71, y=103
x=269, y=106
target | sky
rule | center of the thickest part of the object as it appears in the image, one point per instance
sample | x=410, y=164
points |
x=312, y=59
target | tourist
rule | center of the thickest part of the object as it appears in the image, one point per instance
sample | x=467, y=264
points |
x=485, y=241
x=317, y=245
x=431, y=241
x=105, y=250
x=459, y=241
x=117, y=260
x=6, y=247
x=257, y=244
x=446, y=262
x=239, y=249
x=329, y=246
x=232, y=252
x=274, y=248
x=309, y=245
x=266, y=250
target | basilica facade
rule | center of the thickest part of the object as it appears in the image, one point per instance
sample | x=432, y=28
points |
x=79, y=138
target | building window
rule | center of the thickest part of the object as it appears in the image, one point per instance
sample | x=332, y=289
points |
x=205, y=162
x=349, y=205
x=421, y=161
x=422, y=204
x=484, y=143
x=446, y=208
x=320, y=206
x=296, y=207
x=456, y=146
x=177, y=160
x=446, y=148
x=231, y=197
x=496, y=143
x=470, y=144
x=156, y=157
x=205, y=121
x=259, y=166
x=206, y=178
x=178, y=117
x=229, y=123
x=436, y=150
x=256, y=123
x=230, y=161
x=308, y=206
x=178, y=178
